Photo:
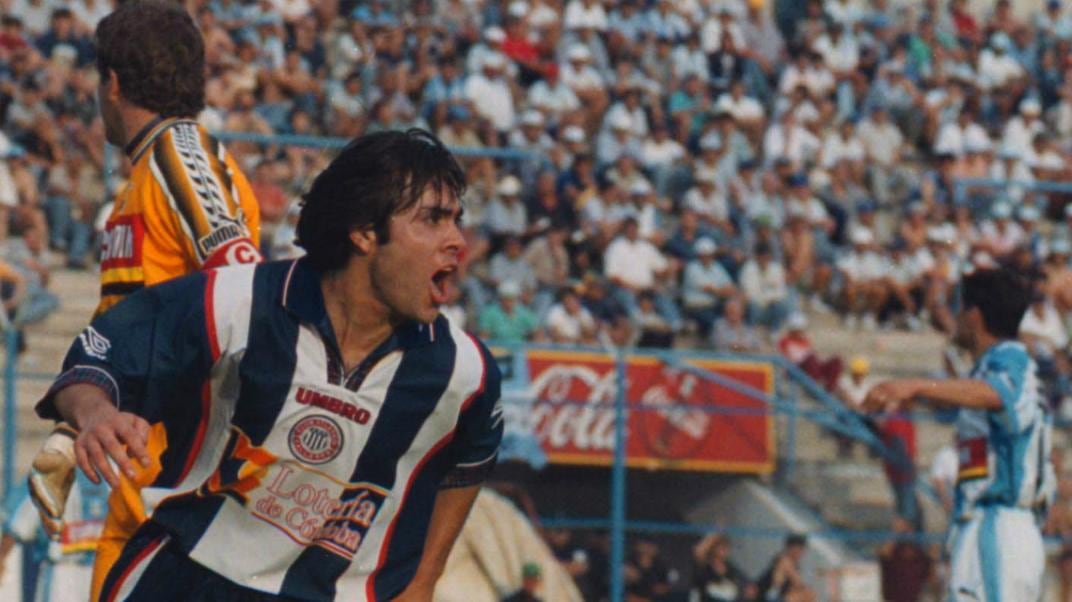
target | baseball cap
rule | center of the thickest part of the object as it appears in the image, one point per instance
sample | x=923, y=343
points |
x=578, y=52
x=508, y=289
x=711, y=141
x=494, y=34
x=573, y=133
x=1029, y=213
x=859, y=365
x=705, y=246
x=509, y=186
x=862, y=236
x=532, y=117
x=1030, y=105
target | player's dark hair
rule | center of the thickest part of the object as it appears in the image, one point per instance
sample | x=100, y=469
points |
x=1001, y=295
x=158, y=55
x=374, y=177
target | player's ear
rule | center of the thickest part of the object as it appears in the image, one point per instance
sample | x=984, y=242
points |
x=363, y=239
x=111, y=86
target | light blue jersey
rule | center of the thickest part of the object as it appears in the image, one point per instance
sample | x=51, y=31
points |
x=1005, y=454
x=83, y=521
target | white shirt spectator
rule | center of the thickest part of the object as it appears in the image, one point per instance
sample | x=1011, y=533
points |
x=638, y=119
x=842, y=55
x=585, y=78
x=690, y=61
x=635, y=263
x=554, y=100
x=952, y=136
x=1001, y=242
x=711, y=206
x=90, y=15
x=35, y=16
x=1047, y=327
x=996, y=70
x=492, y=99
x=661, y=154
x=882, y=141
x=836, y=148
x=843, y=11
x=763, y=285
x=585, y=14
x=796, y=144
x=501, y=218
x=1020, y=134
x=565, y=326
x=699, y=277
x=713, y=30
x=862, y=266
x=744, y=109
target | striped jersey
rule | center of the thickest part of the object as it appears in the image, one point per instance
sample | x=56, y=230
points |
x=186, y=205
x=1004, y=455
x=275, y=467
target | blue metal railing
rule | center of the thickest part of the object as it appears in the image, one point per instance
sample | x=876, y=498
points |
x=962, y=185
x=335, y=143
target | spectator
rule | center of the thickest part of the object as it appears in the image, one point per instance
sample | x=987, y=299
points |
x=569, y=321
x=634, y=265
x=797, y=348
x=763, y=282
x=531, y=580
x=507, y=321
x=647, y=577
x=715, y=578
x=731, y=332
x=706, y=286
x=943, y=475
x=784, y=579
x=864, y=285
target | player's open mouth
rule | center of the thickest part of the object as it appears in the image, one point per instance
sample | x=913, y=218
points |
x=441, y=283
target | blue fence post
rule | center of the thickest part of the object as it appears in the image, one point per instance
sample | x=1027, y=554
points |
x=11, y=345
x=617, y=486
x=791, y=441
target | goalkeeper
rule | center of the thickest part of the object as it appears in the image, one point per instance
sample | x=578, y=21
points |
x=186, y=206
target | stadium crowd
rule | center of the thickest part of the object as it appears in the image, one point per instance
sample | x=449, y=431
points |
x=706, y=171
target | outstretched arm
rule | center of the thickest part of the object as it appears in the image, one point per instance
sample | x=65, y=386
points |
x=104, y=432
x=448, y=516
x=962, y=393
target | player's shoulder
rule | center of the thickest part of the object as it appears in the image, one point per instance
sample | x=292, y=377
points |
x=467, y=352
x=1008, y=354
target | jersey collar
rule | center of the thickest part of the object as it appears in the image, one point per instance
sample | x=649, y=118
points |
x=145, y=138
x=302, y=297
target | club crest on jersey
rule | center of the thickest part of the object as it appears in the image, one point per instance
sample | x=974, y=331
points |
x=315, y=439
x=94, y=343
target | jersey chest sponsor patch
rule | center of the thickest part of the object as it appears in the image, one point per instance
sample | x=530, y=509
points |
x=121, y=243
x=972, y=459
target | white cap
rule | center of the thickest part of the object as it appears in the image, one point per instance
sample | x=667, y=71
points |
x=620, y=121
x=509, y=289
x=976, y=142
x=1061, y=246
x=640, y=187
x=711, y=141
x=797, y=321
x=1001, y=211
x=705, y=246
x=1029, y=213
x=532, y=117
x=862, y=236
x=938, y=234
x=577, y=52
x=573, y=133
x=509, y=186
x=494, y=34
x=1030, y=106
x=518, y=9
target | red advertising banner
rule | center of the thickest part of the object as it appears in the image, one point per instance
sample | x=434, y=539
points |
x=567, y=385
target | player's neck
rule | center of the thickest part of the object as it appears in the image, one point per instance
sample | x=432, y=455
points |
x=134, y=120
x=360, y=321
x=983, y=342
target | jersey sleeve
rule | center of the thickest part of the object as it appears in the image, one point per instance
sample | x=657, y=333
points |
x=480, y=430
x=205, y=202
x=144, y=350
x=1009, y=372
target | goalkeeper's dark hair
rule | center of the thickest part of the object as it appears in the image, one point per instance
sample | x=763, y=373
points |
x=158, y=55
x=1001, y=295
x=374, y=177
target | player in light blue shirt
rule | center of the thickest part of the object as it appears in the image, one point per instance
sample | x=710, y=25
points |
x=1006, y=479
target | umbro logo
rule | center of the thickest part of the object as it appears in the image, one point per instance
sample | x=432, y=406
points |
x=94, y=343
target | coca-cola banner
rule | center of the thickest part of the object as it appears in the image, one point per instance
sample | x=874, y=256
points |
x=675, y=429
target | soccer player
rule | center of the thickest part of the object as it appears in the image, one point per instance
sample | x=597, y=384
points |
x=186, y=206
x=1006, y=479
x=66, y=564
x=324, y=429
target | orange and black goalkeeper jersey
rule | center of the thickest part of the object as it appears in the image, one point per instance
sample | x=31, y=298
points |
x=187, y=206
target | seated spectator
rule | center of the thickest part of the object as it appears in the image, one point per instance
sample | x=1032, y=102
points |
x=507, y=321
x=569, y=321
x=798, y=349
x=654, y=330
x=506, y=215
x=864, y=287
x=647, y=576
x=27, y=256
x=1043, y=332
x=731, y=332
x=633, y=265
x=706, y=285
x=763, y=283
x=784, y=579
x=714, y=577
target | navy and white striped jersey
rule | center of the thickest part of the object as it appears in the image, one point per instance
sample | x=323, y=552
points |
x=279, y=471
x=1005, y=454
